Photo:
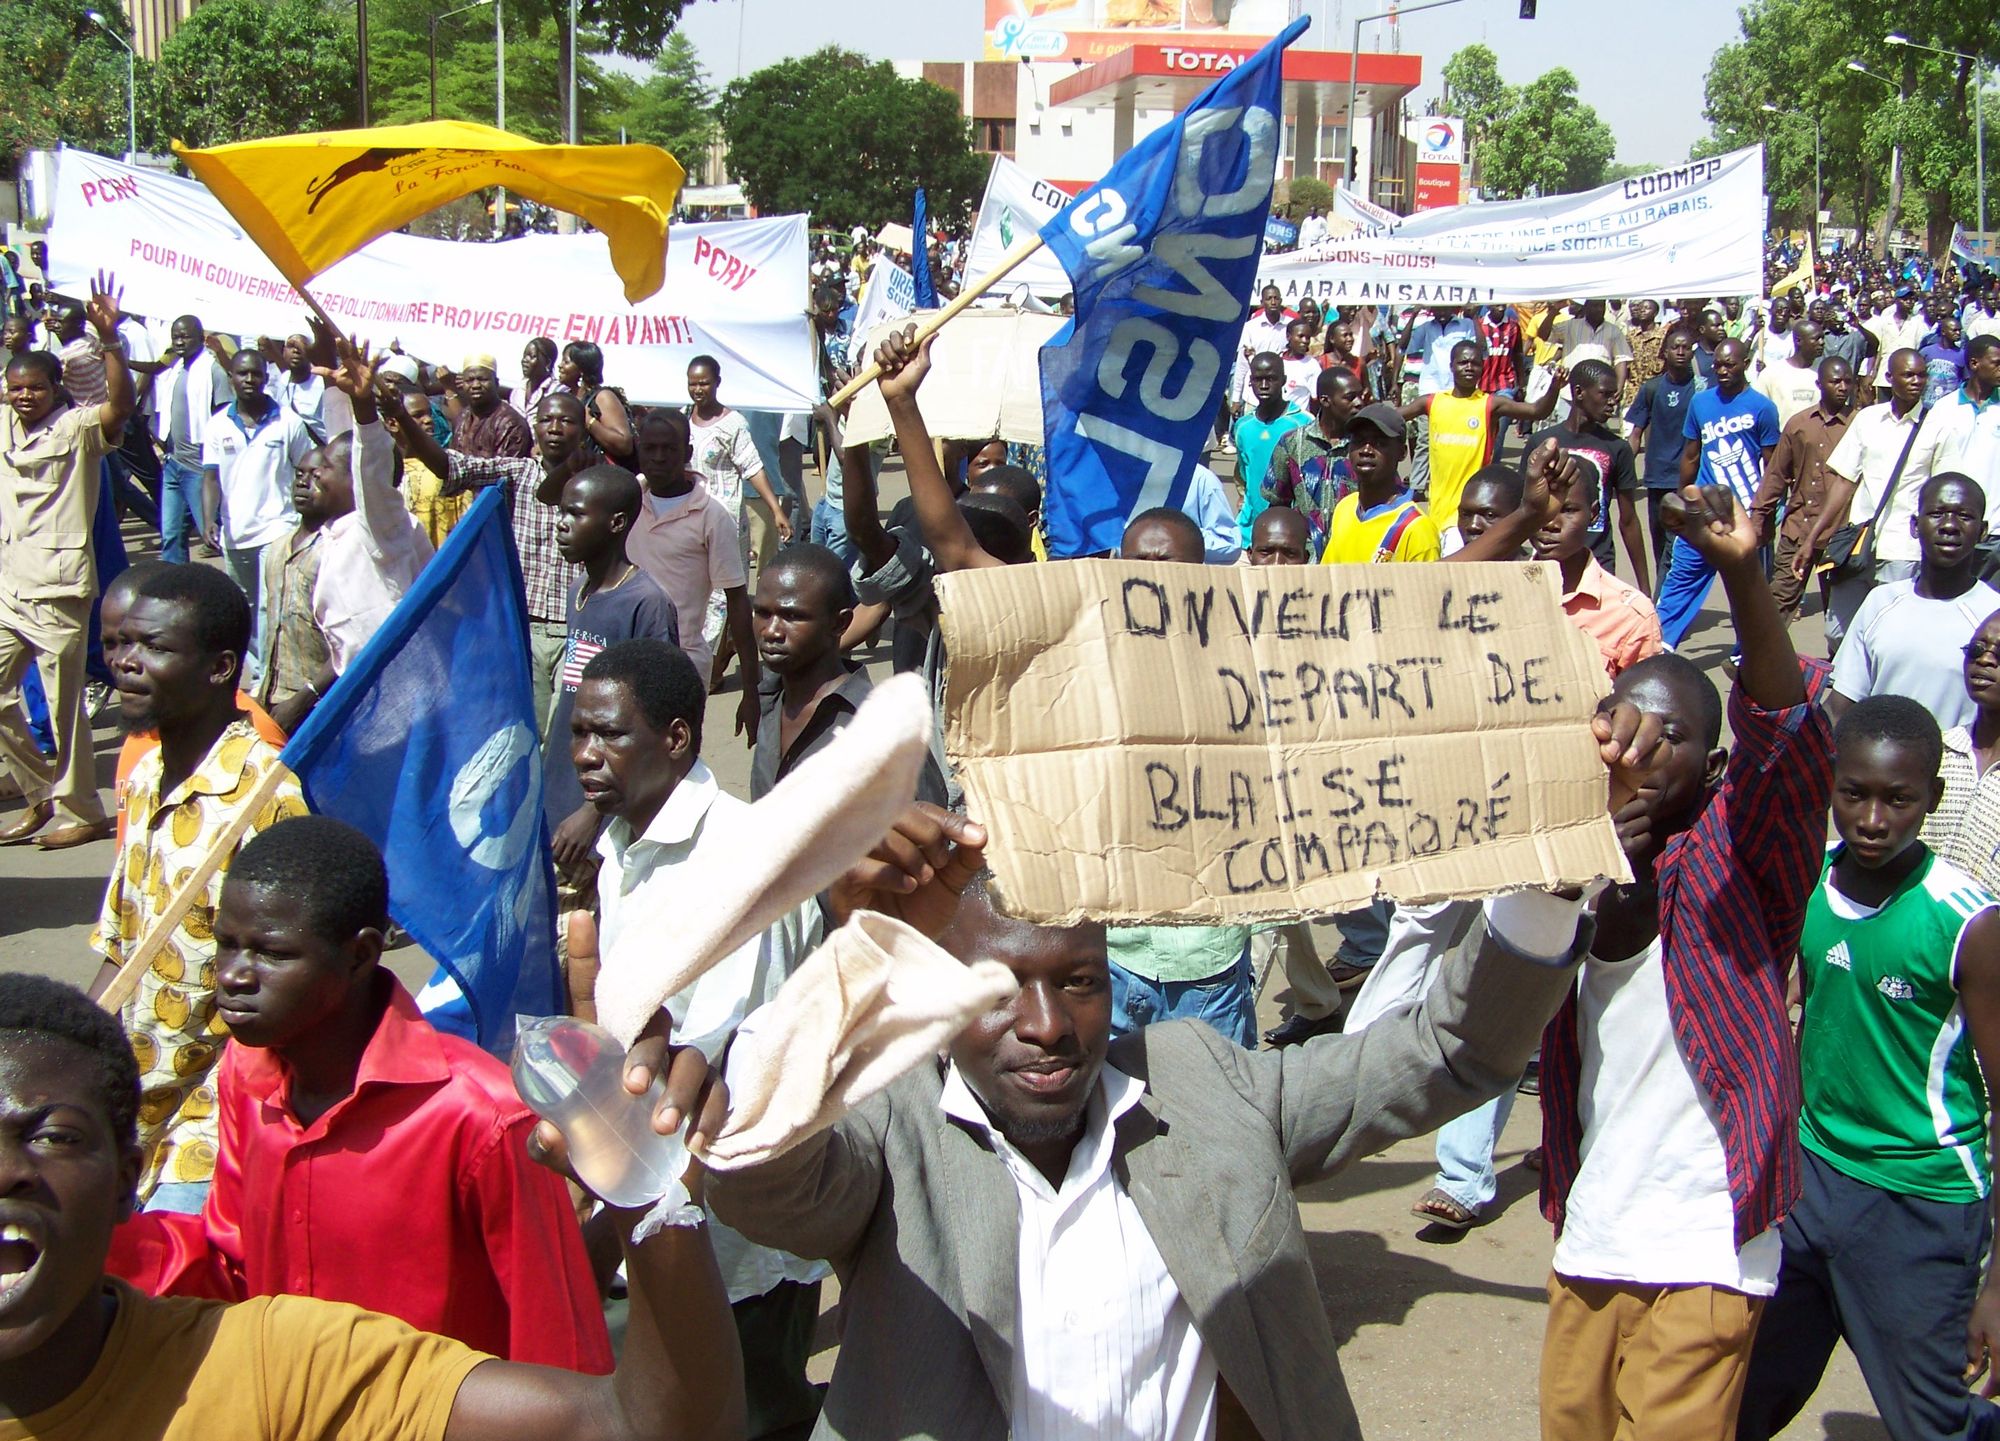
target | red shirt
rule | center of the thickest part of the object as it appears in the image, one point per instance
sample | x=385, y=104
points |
x=413, y=1197
x=1503, y=339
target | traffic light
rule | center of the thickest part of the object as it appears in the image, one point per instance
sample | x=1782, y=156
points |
x=1527, y=9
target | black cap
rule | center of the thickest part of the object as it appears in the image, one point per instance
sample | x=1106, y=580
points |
x=1379, y=417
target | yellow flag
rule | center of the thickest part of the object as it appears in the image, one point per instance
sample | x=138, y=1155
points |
x=311, y=200
x=1802, y=276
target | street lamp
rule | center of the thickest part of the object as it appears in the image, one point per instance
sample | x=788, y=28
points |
x=476, y=4
x=1978, y=117
x=1817, y=190
x=103, y=25
x=1354, y=75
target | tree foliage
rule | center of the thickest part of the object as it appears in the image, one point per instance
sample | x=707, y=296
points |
x=848, y=140
x=64, y=80
x=240, y=69
x=1536, y=138
x=1304, y=194
x=1793, y=55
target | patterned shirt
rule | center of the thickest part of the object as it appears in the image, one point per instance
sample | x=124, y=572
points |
x=176, y=1033
x=1965, y=828
x=504, y=432
x=435, y=511
x=1733, y=893
x=1309, y=473
x=295, y=649
x=546, y=576
x=1646, y=363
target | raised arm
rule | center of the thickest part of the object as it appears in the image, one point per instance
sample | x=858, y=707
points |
x=681, y=1374
x=103, y=313
x=1551, y=472
x=904, y=365
x=860, y=498
x=417, y=441
x=1505, y=408
x=1728, y=536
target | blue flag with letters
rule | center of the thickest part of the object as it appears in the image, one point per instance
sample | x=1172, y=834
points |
x=1162, y=257
x=920, y=252
x=428, y=744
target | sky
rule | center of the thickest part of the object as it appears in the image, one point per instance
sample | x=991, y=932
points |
x=1640, y=65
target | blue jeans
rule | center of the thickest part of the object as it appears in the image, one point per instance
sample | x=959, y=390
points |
x=829, y=528
x=1226, y=1002
x=1465, y=1152
x=180, y=508
x=185, y=1198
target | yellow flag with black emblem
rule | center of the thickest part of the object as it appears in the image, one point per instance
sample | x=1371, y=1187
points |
x=311, y=200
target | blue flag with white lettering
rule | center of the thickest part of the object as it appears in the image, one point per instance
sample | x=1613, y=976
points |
x=1162, y=257
x=428, y=744
x=920, y=253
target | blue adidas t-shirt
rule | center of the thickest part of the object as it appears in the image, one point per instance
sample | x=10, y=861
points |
x=1734, y=433
x=1662, y=407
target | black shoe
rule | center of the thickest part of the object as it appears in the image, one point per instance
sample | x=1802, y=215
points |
x=1297, y=1028
x=1531, y=1080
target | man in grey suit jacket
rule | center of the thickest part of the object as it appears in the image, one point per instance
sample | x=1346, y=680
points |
x=1056, y=1235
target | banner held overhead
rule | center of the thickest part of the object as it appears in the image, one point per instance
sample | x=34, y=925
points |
x=732, y=288
x=1694, y=229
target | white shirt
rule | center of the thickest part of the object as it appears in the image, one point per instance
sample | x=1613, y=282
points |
x=726, y=458
x=1867, y=455
x=369, y=558
x=1650, y=1205
x=255, y=471
x=1105, y=1346
x=1961, y=436
x=1794, y=389
x=1980, y=321
x=304, y=398
x=1773, y=349
x=1301, y=379
x=1260, y=334
x=1900, y=643
x=1582, y=341
x=1893, y=335
x=699, y=817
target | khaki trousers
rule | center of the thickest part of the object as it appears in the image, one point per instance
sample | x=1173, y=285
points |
x=762, y=528
x=1644, y=1363
x=1310, y=991
x=51, y=634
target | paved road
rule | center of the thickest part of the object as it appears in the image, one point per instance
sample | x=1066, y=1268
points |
x=1440, y=1335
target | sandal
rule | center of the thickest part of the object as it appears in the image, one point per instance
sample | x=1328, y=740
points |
x=1440, y=1209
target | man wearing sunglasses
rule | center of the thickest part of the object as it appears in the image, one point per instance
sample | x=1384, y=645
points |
x=1909, y=637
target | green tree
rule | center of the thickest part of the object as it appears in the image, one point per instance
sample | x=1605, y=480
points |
x=1304, y=194
x=848, y=140
x=1546, y=141
x=241, y=69
x=65, y=80
x=673, y=109
x=1793, y=55
x=1474, y=90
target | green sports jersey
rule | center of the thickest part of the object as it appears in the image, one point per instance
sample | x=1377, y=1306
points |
x=1893, y=1095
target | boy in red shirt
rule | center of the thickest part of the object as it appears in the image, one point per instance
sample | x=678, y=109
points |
x=364, y=1156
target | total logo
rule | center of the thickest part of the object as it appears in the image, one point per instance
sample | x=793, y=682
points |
x=1440, y=137
x=1207, y=61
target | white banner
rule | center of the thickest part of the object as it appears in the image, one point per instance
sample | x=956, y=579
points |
x=735, y=290
x=1697, y=229
x=1016, y=204
x=891, y=295
x=1365, y=215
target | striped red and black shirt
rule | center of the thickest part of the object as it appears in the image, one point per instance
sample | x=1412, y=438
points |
x=1733, y=892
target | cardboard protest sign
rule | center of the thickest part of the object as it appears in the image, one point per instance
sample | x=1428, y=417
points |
x=985, y=379
x=1202, y=744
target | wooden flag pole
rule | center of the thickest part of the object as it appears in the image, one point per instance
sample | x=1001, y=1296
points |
x=1028, y=246
x=114, y=996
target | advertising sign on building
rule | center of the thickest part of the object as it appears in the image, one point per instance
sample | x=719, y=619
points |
x=1091, y=30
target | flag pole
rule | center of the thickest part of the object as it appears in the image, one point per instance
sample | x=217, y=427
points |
x=114, y=996
x=1027, y=247
x=314, y=306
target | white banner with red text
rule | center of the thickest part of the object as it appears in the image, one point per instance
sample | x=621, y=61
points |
x=1692, y=230
x=735, y=290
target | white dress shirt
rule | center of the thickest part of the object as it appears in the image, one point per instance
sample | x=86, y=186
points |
x=1105, y=1347
x=1867, y=455
x=369, y=558
x=698, y=815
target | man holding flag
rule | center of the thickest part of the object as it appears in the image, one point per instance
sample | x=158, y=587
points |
x=1159, y=253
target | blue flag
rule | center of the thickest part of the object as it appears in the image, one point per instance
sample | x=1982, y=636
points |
x=920, y=253
x=428, y=744
x=1162, y=256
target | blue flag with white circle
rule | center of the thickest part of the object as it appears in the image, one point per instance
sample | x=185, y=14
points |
x=429, y=745
x=1162, y=257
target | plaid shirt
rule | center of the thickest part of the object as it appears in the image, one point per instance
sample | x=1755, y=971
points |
x=1733, y=892
x=545, y=575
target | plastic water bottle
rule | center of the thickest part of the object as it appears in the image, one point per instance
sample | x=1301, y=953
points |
x=572, y=1073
